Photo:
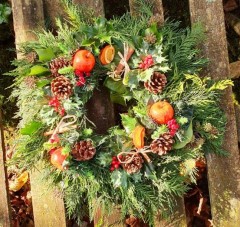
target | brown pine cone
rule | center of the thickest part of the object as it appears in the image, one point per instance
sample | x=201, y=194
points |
x=150, y=38
x=157, y=83
x=135, y=165
x=57, y=64
x=162, y=145
x=61, y=87
x=83, y=150
x=156, y=19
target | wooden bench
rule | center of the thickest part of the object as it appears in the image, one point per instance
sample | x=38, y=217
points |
x=223, y=172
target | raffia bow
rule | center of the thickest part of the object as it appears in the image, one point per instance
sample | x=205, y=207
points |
x=143, y=151
x=62, y=125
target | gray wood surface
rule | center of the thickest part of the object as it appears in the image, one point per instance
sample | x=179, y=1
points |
x=223, y=172
x=5, y=210
x=48, y=208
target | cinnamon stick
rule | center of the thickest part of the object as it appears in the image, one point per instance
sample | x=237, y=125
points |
x=121, y=65
x=49, y=133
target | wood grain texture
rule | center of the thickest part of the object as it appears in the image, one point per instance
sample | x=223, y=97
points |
x=5, y=210
x=27, y=17
x=48, y=209
x=223, y=172
x=235, y=70
x=157, y=8
x=96, y=5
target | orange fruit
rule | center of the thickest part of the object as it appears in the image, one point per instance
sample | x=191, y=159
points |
x=161, y=112
x=138, y=136
x=57, y=158
x=107, y=54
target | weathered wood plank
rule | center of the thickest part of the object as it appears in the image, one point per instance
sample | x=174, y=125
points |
x=223, y=172
x=96, y=5
x=157, y=8
x=179, y=217
x=235, y=70
x=48, y=209
x=5, y=210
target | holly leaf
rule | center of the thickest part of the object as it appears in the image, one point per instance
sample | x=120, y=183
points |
x=129, y=123
x=38, y=70
x=45, y=54
x=105, y=159
x=31, y=128
x=119, y=179
x=188, y=134
x=159, y=131
x=145, y=75
x=131, y=79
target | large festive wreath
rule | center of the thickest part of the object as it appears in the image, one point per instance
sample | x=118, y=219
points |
x=172, y=116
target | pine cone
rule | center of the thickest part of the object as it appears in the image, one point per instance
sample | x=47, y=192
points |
x=61, y=87
x=57, y=64
x=155, y=19
x=135, y=165
x=83, y=150
x=162, y=145
x=157, y=83
x=150, y=38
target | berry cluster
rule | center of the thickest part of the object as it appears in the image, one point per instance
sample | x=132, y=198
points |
x=115, y=163
x=147, y=62
x=54, y=102
x=173, y=126
x=81, y=77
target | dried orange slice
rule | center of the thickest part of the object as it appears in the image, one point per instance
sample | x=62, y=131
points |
x=138, y=136
x=107, y=54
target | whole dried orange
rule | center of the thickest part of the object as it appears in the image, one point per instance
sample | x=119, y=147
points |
x=107, y=54
x=161, y=112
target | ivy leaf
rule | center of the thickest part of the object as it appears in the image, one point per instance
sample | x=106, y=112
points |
x=119, y=179
x=116, y=86
x=117, y=98
x=187, y=138
x=66, y=70
x=42, y=83
x=129, y=123
x=31, y=128
x=38, y=70
x=45, y=54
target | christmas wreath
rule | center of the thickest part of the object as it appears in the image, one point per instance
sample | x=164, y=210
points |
x=172, y=115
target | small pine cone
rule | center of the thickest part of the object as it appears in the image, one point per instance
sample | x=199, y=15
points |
x=150, y=38
x=135, y=165
x=83, y=150
x=57, y=64
x=162, y=145
x=157, y=83
x=31, y=57
x=30, y=82
x=156, y=19
x=61, y=87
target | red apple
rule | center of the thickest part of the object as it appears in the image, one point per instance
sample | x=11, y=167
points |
x=84, y=61
x=57, y=158
x=161, y=112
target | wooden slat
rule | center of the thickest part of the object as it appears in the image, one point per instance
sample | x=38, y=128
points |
x=48, y=209
x=223, y=172
x=157, y=8
x=179, y=216
x=5, y=210
x=235, y=70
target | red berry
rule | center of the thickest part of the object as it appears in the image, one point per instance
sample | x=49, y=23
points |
x=112, y=168
x=114, y=158
x=81, y=81
x=116, y=166
x=62, y=112
x=87, y=74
